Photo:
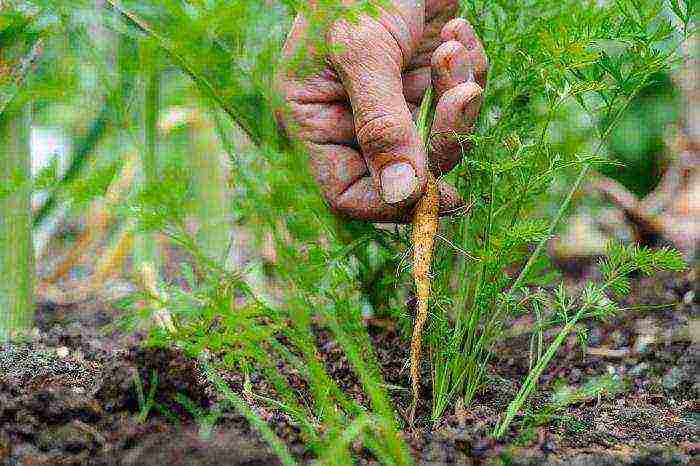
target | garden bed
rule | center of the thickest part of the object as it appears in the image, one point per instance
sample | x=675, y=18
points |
x=68, y=396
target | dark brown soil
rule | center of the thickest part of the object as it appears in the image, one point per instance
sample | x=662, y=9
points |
x=68, y=396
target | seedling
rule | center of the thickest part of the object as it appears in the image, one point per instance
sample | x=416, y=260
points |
x=593, y=303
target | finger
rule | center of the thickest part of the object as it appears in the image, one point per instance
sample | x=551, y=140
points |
x=361, y=201
x=461, y=31
x=336, y=168
x=450, y=66
x=451, y=202
x=369, y=64
x=455, y=115
x=342, y=175
x=435, y=8
x=415, y=82
x=317, y=87
x=437, y=14
x=322, y=123
x=313, y=107
x=459, y=101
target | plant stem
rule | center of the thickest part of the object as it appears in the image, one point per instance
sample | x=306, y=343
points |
x=567, y=201
x=696, y=300
x=552, y=226
x=207, y=88
x=211, y=193
x=16, y=248
x=534, y=375
x=146, y=246
x=277, y=445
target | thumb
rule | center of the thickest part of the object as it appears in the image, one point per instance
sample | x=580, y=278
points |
x=369, y=63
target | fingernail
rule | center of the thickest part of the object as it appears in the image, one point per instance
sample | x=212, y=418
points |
x=399, y=181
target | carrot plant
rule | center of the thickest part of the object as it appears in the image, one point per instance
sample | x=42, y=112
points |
x=219, y=314
x=547, y=58
x=425, y=226
x=595, y=302
x=311, y=285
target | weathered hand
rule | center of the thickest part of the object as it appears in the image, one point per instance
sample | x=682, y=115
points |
x=355, y=116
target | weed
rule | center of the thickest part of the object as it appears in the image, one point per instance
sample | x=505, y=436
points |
x=563, y=397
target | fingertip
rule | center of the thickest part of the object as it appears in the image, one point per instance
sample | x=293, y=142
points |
x=450, y=66
x=455, y=114
x=461, y=31
x=451, y=203
x=458, y=107
x=471, y=95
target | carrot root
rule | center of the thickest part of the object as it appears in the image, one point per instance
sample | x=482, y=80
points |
x=425, y=225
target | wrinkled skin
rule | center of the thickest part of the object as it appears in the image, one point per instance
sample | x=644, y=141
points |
x=356, y=116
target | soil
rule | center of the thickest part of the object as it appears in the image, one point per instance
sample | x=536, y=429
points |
x=68, y=396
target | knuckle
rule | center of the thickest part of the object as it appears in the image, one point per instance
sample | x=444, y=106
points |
x=383, y=132
x=338, y=206
x=447, y=151
x=330, y=195
x=446, y=51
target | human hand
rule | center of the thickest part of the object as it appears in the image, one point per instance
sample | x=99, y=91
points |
x=355, y=116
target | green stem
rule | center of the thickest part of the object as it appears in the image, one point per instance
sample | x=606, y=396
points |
x=207, y=88
x=552, y=226
x=277, y=445
x=84, y=149
x=425, y=117
x=585, y=169
x=696, y=300
x=211, y=194
x=146, y=247
x=16, y=248
x=533, y=377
